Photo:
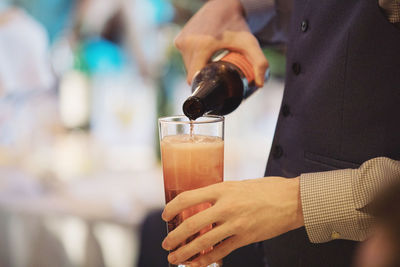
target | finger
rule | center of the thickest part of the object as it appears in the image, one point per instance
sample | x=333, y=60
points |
x=260, y=64
x=197, y=61
x=189, y=227
x=219, y=252
x=249, y=47
x=188, y=199
x=196, y=51
x=203, y=243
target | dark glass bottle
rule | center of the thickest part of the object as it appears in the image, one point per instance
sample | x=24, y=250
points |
x=220, y=86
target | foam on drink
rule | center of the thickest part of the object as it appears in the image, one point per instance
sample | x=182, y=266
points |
x=191, y=162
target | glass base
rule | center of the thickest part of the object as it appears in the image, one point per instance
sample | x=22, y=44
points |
x=184, y=265
x=211, y=265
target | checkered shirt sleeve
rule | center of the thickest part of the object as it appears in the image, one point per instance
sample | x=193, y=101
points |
x=391, y=8
x=334, y=202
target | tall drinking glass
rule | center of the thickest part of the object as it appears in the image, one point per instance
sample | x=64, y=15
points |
x=192, y=155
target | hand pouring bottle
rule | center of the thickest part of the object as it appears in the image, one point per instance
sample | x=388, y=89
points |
x=221, y=85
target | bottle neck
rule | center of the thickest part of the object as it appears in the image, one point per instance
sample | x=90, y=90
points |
x=220, y=86
x=205, y=98
x=193, y=108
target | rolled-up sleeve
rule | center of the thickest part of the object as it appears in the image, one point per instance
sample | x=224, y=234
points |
x=268, y=19
x=335, y=202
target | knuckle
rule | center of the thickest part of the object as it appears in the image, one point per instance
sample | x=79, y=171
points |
x=190, y=225
x=225, y=250
x=238, y=226
x=179, y=41
x=201, y=244
x=261, y=63
x=264, y=64
x=226, y=211
x=206, y=260
x=170, y=241
x=264, y=67
x=192, y=42
x=181, y=199
x=253, y=40
x=249, y=40
x=215, y=190
x=207, y=41
x=222, y=252
x=222, y=188
x=204, y=45
x=184, y=254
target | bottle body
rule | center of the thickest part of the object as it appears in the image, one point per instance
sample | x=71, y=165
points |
x=220, y=87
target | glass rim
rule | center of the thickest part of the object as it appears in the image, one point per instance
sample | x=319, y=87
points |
x=211, y=119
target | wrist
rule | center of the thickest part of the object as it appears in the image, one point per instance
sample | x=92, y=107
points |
x=297, y=218
x=235, y=6
x=238, y=6
x=252, y=7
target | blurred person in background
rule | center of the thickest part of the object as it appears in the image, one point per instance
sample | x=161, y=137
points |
x=132, y=25
x=337, y=134
x=382, y=248
x=55, y=16
x=26, y=79
x=24, y=59
x=95, y=39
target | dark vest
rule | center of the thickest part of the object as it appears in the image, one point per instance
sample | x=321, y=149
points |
x=341, y=107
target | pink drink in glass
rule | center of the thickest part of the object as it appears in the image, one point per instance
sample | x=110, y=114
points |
x=191, y=162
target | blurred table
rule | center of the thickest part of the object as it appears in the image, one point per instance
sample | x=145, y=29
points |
x=110, y=197
x=91, y=221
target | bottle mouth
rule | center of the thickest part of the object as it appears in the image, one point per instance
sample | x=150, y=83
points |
x=193, y=108
x=183, y=119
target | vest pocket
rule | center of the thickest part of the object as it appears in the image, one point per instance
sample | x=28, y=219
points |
x=329, y=162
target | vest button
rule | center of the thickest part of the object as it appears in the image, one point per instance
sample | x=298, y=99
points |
x=304, y=25
x=296, y=68
x=285, y=110
x=277, y=152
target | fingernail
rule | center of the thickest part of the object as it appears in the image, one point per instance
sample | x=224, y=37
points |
x=163, y=216
x=260, y=82
x=172, y=258
x=190, y=81
x=165, y=244
x=195, y=74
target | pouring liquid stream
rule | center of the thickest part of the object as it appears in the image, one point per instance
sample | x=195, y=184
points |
x=191, y=130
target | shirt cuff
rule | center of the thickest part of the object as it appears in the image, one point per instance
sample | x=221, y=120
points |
x=328, y=206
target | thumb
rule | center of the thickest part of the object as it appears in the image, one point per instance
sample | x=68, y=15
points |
x=195, y=64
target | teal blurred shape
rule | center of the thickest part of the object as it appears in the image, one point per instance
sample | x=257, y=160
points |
x=54, y=15
x=4, y=5
x=164, y=11
x=103, y=56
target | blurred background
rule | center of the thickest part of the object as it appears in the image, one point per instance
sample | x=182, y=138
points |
x=82, y=83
